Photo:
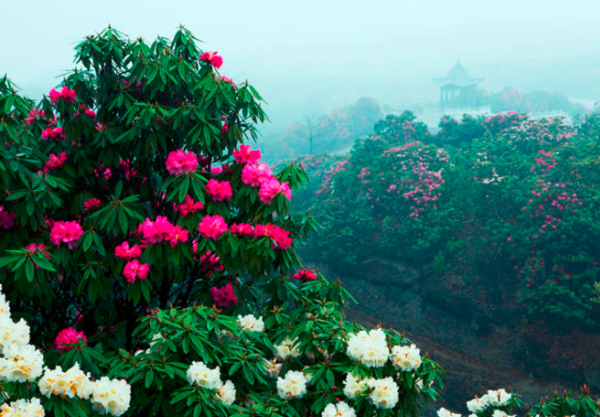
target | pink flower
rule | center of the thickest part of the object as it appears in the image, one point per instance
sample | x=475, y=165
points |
x=123, y=251
x=65, y=232
x=7, y=220
x=181, y=161
x=224, y=296
x=242, y=229
x=156, y=231
x=255, y=174
x=65, y=94
x=227, y=80
x=212, y=227
x=219, y=190
x=269, y=189
x=305, y=275
x=53, y=133
x=91, y=204
x=56, y=161
x=245, y=155
x=212, y=58
x=216, y=169
x=176, y=234
x=211, y=261
x=280, y=236
x=188, y=206
x=134, y=269
x=67, y=338
x=33, y=114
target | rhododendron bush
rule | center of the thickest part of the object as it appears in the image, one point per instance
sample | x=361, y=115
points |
x=503, y=210
x=151, y=252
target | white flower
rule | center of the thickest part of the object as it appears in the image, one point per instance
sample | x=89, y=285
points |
x=251, y=323
x=71, y=383
x=111, y=396
x=407, y=358
x=273, y=368
x=368, y=348
x=477, y=405
x=21, y=363
x=340, y=409
x=226, y=393
x=286, y=349
x=385, y=392
x=13, y=333
x=292, y=386
x=353, y=386
x=199, y=374
x=442, y=412
x=498, y=398
x=23, y=408
x=500, y=413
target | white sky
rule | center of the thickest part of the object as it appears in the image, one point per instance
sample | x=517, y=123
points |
x=312, y=55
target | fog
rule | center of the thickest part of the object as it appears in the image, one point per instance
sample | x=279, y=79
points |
x=310, y=56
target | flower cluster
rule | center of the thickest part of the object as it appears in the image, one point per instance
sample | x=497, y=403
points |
x=91, y=204
x=369, y=348
x=340, y=409
x=124, y=251
x=34, y=114
x=22, y=408
x=251, y=323
x=65, y=232
x=111, y=396
x=7, y=219
x=212, y=58
x=271, y=188
x=493, y=398
x=212, y=227
x=305, y=275
x=65, y=94
x=53, y=133
x=383, y=393
x=56, y=161
x=219, y=190
x=246, y=155
x=66, y=338
x=134, y=270
x=287, y=349
x=189, y=206
x=181, y=161
x=256, y=174
x=224, y=296
x=292, y=386
x=406, y=358
x=201, y=375
x=162, y=229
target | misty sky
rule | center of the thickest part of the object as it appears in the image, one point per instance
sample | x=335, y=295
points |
x=310, y=56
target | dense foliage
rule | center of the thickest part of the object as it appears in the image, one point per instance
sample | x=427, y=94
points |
x=503, y=210
x=148, y=255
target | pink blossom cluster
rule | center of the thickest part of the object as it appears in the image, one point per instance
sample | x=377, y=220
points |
x=305, y=275
x=219, y=190
x=541, y=161
x=550, y=130
x=242, y=229
x=549, y=203
x=67, y=338
x=181, y=161
x=211, y=261
x=224, y=296
x=7, y=220
x=227, y=80
x=189, y=206
x=246, y=155
x=212, y=58
x=326, y=181
x=91, y=204
x=280, y=236
x=87, y=112
x=53, y=133
x=125, y=168
x=269, y=189
x=503, y=121
x=34, y=114
x=162, y=229
x=55, y=161
x=65, y=232
x=134, y=270
x=65, y=94
x=212, y=227
x=255, y=174
x=34, y=248
x=127, y=252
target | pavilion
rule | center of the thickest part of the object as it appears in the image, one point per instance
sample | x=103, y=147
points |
x=458, y=88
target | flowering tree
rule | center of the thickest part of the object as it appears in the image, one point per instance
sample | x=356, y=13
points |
x=152, y=254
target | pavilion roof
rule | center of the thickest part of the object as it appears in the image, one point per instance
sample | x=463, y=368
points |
x=458, y=76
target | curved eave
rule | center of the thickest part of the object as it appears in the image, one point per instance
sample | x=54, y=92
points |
x=443, y=82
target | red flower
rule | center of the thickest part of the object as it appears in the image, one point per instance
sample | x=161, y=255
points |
x=224, y=296
x=212, y=58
